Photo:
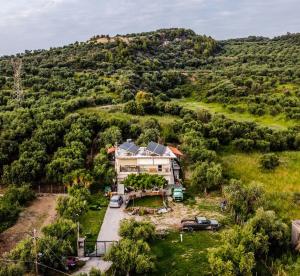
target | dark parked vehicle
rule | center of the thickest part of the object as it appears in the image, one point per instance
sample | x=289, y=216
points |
x=199, y=223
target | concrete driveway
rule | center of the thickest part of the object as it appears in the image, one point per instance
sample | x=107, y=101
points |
x=108, y=232
x=110, y=226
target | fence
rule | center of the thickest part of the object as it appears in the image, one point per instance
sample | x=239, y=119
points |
x=50, y=189
x=97, y=248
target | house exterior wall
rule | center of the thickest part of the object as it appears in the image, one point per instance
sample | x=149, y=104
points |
x=150, y=164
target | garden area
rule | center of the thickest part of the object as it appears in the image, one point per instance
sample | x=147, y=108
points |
x=91, y=221
x=147, y=201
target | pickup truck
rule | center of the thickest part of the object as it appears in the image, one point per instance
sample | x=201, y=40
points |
x=199, y=223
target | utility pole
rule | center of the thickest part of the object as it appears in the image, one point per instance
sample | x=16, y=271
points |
x=36, y=252
x=78, y=237
x=18, y=91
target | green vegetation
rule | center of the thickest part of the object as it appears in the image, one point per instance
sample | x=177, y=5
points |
x=231, y=106
x=277, y=122
x=144, y=181
x=132, y=254
x=91, y=221
x=189, y=256
x=246, y=167
x=147, y=201
x=11, y=204
x=262, y=235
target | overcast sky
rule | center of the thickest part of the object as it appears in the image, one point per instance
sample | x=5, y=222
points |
x=36, y=24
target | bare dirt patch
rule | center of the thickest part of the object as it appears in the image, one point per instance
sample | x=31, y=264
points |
x=105, y=40
x=207, y=207
x=40, y=213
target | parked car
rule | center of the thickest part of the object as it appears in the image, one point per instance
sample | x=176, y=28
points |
x=199, y=223
x=177, y=194
x=116, y=201
x=71, y=262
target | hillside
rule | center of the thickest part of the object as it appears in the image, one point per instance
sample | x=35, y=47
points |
x=232, y=107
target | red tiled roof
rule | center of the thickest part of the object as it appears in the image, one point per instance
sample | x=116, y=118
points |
x=111, y=150
x=176, y=151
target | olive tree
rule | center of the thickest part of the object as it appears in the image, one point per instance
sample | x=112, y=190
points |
x=207, y=175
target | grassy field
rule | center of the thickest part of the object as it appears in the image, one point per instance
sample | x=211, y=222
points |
x=278, y=121
x=147, y=201
x=283, y=181
x=184, y=258
x=285, y=178
x=115, y=112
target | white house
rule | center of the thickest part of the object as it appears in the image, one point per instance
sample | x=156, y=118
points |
x=153, y=159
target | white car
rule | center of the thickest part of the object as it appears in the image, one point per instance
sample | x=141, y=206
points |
x=116, y=201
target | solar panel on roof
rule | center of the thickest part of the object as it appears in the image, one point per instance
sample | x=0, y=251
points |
x=124, y=146
x=151, y=146
x=156, y=148
x=131, y=147
x=160, y=149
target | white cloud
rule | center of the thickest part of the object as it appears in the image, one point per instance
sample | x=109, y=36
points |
x=31, y=24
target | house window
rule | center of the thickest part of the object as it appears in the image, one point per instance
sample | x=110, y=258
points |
x=159, y=168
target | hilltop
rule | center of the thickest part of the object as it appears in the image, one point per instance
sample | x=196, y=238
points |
x=231, y=106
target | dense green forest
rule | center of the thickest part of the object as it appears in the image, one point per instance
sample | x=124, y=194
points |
x=81, y=98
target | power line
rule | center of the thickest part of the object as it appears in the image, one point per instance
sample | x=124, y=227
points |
x=19, y=261
x=17, y=67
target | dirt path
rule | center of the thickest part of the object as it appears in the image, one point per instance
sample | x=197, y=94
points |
x=40, y=213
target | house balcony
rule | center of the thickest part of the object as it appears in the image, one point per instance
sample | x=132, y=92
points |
x=139, y=169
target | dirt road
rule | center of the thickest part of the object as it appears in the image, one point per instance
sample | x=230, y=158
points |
x=40, y=213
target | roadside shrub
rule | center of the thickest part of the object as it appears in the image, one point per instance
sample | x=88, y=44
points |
x=269, y=161
x=22, y=194
x=130, y=257
x=11, y=203
x=11, y=269
x=134, y=230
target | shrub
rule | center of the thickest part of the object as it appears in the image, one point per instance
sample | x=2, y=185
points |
x=144, y=181
x=243, y=144
x=135, y=230
x=269, y=161
x=130, y=257
x=11, y=269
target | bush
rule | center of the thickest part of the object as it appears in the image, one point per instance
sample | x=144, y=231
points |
x=135, y=230
x=144, y=181
x=130, y=257
x=11, y=202
x=269, y=161
x=11, y=269
x=243, y=144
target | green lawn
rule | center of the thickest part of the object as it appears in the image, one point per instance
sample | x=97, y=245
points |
x=147, y=201
x=278, y=121
x=184, y=258
x=91, y=223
